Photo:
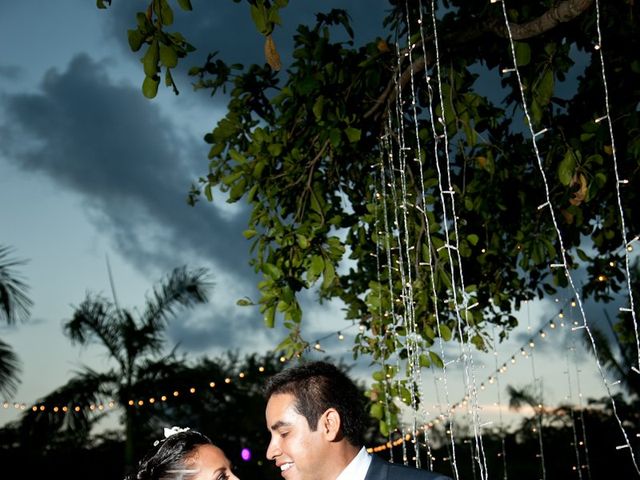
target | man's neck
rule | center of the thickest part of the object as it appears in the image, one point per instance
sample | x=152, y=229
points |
x=343, y=456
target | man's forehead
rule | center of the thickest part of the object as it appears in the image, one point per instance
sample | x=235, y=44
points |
x=281, y=410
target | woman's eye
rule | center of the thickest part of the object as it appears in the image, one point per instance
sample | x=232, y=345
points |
x=223, y=476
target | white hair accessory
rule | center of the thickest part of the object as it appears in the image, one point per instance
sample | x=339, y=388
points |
x=170, y=431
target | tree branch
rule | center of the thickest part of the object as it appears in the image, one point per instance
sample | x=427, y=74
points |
x=565, y=11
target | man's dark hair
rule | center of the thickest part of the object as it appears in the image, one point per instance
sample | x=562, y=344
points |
x=318, y=386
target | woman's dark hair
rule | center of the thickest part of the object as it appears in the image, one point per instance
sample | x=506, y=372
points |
x=167, y=459
x=318, y=386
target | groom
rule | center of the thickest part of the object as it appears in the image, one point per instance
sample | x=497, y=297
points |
x=316, y=417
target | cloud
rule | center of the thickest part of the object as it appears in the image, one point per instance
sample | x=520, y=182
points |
x=11, y=72
x=130, y=166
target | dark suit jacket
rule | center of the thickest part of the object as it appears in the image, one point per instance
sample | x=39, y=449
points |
x=383, y=470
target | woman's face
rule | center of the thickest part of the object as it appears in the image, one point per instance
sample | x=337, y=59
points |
x=211, y=463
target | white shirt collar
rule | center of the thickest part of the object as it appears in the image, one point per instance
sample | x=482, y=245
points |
x=357, y=468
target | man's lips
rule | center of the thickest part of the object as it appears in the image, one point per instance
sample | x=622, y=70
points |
x=285, y=466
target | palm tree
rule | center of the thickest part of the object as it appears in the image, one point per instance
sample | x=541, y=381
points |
x=9, y=370
x=617, y=348
x=134, y=340
x=15, y=306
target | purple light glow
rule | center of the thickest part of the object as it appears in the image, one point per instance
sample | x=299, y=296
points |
x=245, y=454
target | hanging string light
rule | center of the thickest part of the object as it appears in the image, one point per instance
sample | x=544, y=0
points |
x=619, y=181
x=547, y=205
x=493, y=378
x=583, y=424
x=573, y=422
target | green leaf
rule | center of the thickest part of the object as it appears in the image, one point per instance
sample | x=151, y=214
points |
x=166, y=13
x=334, y=137
x=384, y=428
x=135, y=39
x=478, y=342
x=271, y=270
x=252, y=193
x=248, y=234
x=185, y=5
x=566, y=168
x=168, y=56
x=437, y=361
x=329, y=275
x=318, y=107
x=536, y=111
x=270, y=317
x=445, y=332
x=523, y=53
x=424, y=361
x=244, y=302
x=353, y=134
x=544, y=88
x=237, y=156
x=302, y=241
x=259, y=17
x=428, y=332
x=473, y=239
x=150, y=59
x=377, y=411
x=150, y=86
x=208, y=192
x=275, y=149
x=315, y=268
x=168, y=78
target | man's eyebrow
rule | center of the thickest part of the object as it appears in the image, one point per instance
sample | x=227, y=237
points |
x=278, y=424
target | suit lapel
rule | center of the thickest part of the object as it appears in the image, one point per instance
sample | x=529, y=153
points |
x=378, y=470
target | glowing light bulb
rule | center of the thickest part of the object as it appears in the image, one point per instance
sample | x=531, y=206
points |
x=245, y=454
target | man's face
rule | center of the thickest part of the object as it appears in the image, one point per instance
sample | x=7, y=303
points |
x=299, y=452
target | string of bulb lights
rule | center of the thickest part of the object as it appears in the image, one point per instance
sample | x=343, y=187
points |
x=549, y=207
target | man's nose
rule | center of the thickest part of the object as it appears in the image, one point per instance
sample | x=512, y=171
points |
x=273, y=450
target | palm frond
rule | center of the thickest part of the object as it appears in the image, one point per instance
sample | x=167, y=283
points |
x=138, y=340
x=9, y=370
x=84, y=389
x=96, y=318
x=15, y=304
x=181, y=287
x=525, y=396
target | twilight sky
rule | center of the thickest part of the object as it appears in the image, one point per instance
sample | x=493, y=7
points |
x=90, y=169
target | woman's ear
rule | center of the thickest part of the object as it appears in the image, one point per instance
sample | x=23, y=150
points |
x=331, y=424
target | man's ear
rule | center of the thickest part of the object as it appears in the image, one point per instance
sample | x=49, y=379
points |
x=331, y=423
